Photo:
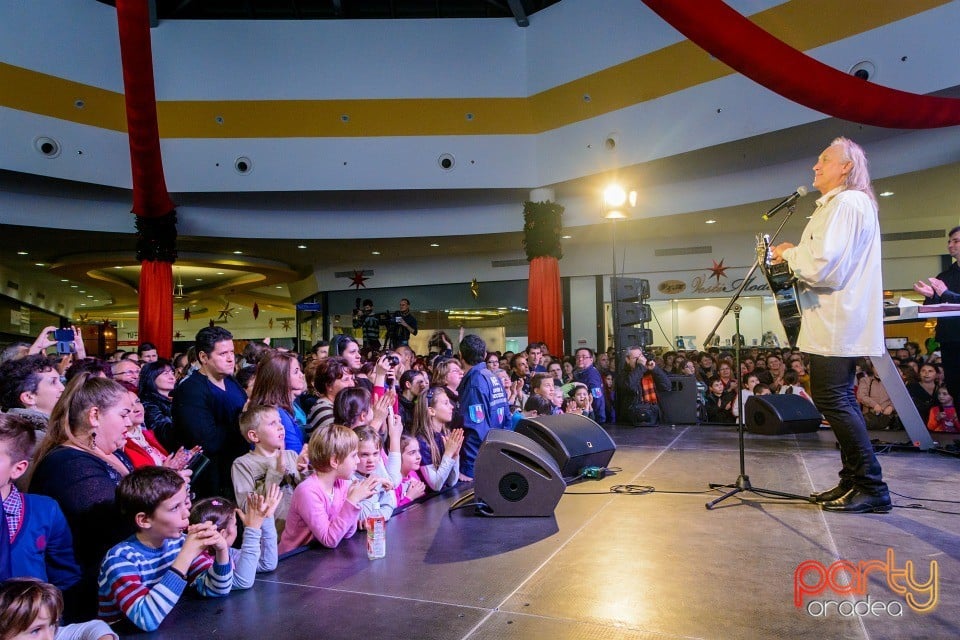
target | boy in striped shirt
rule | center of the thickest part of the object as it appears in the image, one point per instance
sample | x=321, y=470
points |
x=143, y=577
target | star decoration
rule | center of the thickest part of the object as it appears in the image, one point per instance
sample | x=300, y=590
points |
x=226, y=313
x=178, y=335
x=718, y=270
x=358, y=279
x=285, y=324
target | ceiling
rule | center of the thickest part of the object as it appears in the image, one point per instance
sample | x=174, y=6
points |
x=216, y=271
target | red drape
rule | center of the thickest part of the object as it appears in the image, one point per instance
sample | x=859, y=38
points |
x=733, y=39
x=150, y=197
x=545, y=304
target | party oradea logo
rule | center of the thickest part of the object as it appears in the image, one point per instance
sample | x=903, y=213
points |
x=844, y=588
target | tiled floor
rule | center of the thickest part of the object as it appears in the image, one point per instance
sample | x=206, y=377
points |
x=656, y=565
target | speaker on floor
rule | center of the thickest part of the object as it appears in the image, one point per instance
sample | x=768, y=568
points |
x=780, y=414
x=679, y=405
x=573, y=440
x=515, y=476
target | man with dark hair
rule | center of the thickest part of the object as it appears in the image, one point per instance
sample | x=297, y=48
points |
x=206, y=412
x=365, y=319
x=534, y=353
x=147, y=352
x=321, y=350
x=945, y=288
x=30, y=387
x=590, y=376
x=520, y=370
x=404, y=325
x=483, y=401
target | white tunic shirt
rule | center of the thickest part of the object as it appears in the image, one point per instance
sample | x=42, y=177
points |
x=841, y=287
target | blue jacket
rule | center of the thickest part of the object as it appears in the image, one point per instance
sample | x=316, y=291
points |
x=43, y=547
x=484, y=406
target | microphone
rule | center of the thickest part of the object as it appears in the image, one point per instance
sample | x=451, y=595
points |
x=786, y=202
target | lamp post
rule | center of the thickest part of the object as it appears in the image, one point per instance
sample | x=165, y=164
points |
x=615, y=202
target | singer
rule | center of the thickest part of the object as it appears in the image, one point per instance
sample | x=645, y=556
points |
x=837, y=264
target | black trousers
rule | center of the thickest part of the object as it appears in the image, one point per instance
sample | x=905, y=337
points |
x=950, y=359
x=831, y=385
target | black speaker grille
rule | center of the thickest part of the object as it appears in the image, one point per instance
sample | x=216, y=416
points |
x=514, y=487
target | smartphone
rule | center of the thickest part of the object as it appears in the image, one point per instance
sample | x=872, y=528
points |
x=64, y=338
x=197, y=464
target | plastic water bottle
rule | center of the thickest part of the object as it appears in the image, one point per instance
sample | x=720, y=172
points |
x=376, y=537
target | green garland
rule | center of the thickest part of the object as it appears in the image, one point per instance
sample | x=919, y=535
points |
x=542, y=227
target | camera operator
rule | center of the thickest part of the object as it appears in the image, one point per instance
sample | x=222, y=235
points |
x=364, y=318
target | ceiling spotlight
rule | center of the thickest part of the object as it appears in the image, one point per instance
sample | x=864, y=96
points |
x=614, y=195
x=565, y=237
x=219, y=273
x=886, y=194
x=74, y=286
x=40, y=264
x=279, y=286
x=301, y=246
x=118, y=267
x=710, y=221
x=238, y=253
x=434, y=244
x=64, y=280
x=376, y=253
x=22, y=253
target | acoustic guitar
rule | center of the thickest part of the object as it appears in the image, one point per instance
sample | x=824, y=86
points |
x=783, y=285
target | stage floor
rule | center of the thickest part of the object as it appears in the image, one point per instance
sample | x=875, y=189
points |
x=616, y=566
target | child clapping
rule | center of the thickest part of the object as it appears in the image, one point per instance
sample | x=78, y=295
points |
x=258, y=551
x=269, y=464
x=325, y=507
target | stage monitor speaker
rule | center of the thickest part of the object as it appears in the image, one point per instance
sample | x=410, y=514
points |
x=633, y=313
x=515, y=476
x=780, y=414
x=631, y=289
x=679, y=405
x=573, y=440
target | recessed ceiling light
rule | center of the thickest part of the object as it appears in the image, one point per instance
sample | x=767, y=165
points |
x=64, y=280
x=376, y=253
x=82, y=291
x=199, y=279
x=886, y=194
x=434, y=244
x=89, y=296
x=40, y=264
x=301, y=246
x=565, y=237
x=238, y=253
x=22, y=253
x=279, y=286
x=83, y=304
x=219, y=273
x=118, y=267
x=74, y=286
x=710, y=221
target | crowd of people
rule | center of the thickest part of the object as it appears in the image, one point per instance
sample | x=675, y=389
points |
x=132, y=470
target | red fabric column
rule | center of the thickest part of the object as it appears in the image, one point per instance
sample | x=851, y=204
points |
x=744, y=46
x=545, y=304
x=150, y=197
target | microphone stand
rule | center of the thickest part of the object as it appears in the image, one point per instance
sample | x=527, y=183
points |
x=742, y=484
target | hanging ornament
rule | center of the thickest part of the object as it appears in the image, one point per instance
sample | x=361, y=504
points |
x=226, y=313
x=270, y=323
x=256, y=311
x=358, y=280
x=286, y=324
x=186, y=314
x=211, y=323
x=475, y=289
x=178, y=335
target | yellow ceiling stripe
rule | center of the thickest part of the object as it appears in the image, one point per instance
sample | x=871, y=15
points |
x=803, y=24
